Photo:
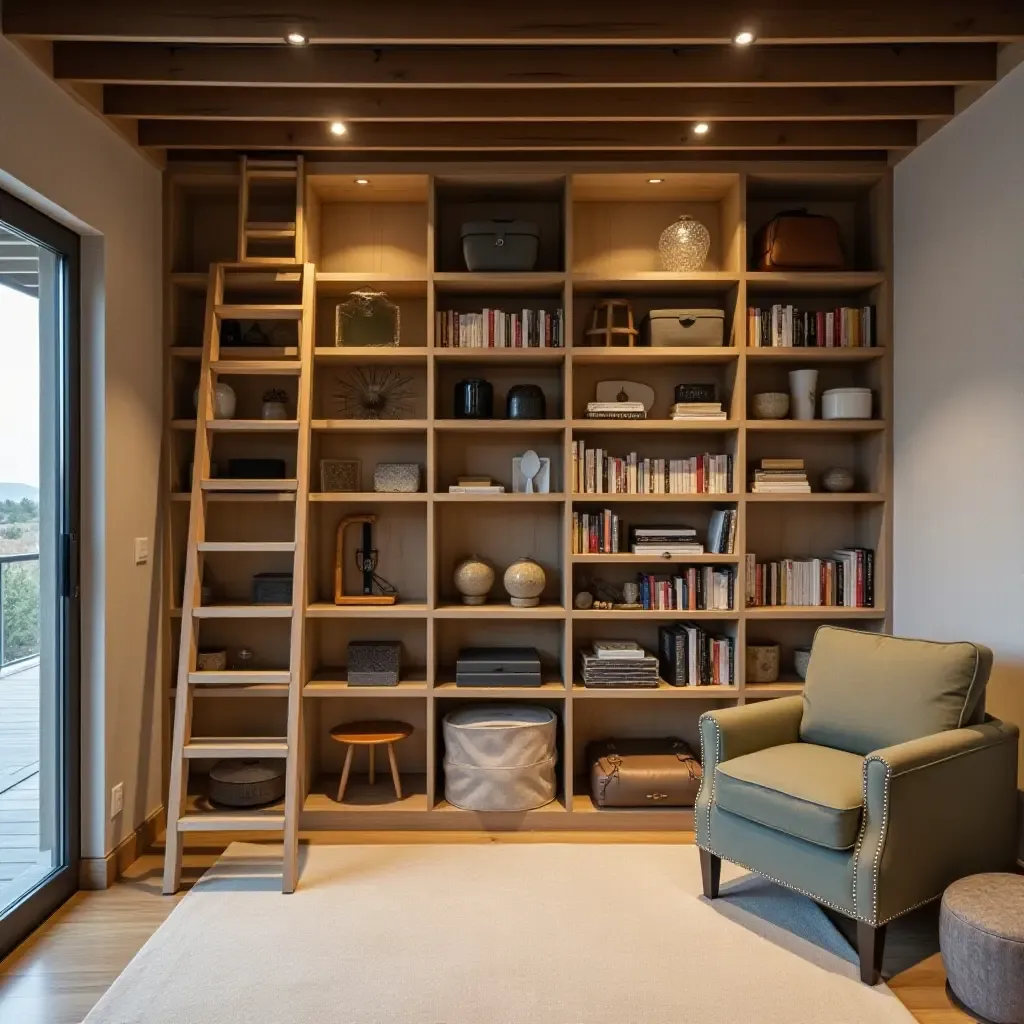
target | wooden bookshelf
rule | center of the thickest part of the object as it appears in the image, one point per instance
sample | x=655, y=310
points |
x=599, y=239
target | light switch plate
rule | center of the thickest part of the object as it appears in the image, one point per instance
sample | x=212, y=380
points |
x=116, y=800
x=141, y=550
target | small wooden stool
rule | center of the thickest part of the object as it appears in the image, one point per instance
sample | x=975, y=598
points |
x=606, y=333
x=370, y=735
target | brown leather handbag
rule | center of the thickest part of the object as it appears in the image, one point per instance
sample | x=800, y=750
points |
x=798, y=240
x=643, y=773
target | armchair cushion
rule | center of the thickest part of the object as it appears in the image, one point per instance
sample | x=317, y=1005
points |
x=865, y=691
x=809, y=792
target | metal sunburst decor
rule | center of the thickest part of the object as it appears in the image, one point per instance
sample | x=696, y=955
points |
x=374, y=393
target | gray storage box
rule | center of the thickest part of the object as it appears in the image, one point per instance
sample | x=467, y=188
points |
x=684, y=327
x=498, y=666
x=373, y=662
x=500, y=757
x=272, y=588
x=500, y=244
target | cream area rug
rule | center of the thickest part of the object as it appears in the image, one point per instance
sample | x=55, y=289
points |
x=491, y=934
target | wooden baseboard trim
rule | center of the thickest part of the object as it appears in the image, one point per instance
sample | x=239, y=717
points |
x=101, y=872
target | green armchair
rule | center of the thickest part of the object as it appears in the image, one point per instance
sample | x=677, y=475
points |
x=873, y=791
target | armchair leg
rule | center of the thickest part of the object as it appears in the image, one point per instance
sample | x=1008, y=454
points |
x=870, y=943
x=710, y=873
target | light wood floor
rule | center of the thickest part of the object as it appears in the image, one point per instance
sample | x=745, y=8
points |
x=57, y=976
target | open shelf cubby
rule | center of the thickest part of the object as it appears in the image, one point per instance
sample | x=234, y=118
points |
x=598, y=232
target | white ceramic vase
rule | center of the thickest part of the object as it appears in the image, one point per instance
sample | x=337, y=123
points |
x=274, y=411
x=803, y=393
x=224, y=401
x=524, y=581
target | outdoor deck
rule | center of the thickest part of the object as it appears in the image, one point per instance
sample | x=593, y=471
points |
x=19, y=778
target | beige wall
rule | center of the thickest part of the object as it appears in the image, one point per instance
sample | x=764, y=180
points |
x=959, y=388
x=58, y=156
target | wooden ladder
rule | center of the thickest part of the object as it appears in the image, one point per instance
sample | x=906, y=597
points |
x=185, y=746
x=285, y=235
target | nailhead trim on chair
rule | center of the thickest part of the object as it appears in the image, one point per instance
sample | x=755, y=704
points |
x=881, y=832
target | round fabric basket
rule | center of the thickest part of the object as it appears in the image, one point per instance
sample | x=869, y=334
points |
x=250, y=782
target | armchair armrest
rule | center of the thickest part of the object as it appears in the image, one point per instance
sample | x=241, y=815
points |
x=732, y=732
x=935, y=809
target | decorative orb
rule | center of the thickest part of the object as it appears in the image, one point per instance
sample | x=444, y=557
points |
x=524, y=581
x=584, y=600
x=224, y=401
x=770, y=405
x=838, y=480
x=684, y=245
x=473, y=579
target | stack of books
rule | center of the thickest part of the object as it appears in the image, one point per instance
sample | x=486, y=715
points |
x=494, y=328
x=722, y=531
x=665, y=541
x=789, y=327
x=616, y=411
x=698, y=411
x=618, y=663
x=695, y=589
x=476, y=485
x=689, y=656
x=595, y=533
x=780, y=476
x=844, y=579
x=594, y=471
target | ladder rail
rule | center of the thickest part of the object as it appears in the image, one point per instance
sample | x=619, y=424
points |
x=188, y=646
x=294, y=784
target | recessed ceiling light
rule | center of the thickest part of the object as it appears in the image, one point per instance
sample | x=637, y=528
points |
x=337, y=128
x=701, y=128
x=362, y=181
x=744, y=38
x=296, y=39
x=655, y=181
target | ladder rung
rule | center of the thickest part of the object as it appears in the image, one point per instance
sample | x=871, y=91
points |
x=270, y=229
x=238, y=677
x=285, y=264
x=241, y=367
x=259, y=312
x=272, y=174
x=243, y=547
x=237, y=746
x=253, y=426
x=243, y=611
x=273, y=486
x=237, y=822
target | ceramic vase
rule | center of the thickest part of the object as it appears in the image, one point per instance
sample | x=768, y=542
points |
x=524, y=581
x=838, y=480
x=803, y=392
x=801, y=659
x=474, y=399
x=274, y=411
x=224, y=401
x=473, y=579
x=762, y=663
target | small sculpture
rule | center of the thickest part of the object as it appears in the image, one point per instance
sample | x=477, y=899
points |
x=524, y=580
x=473, y=579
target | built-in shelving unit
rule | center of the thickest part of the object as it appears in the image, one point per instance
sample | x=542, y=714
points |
x=599, y=233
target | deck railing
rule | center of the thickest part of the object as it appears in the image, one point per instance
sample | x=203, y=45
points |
x=19, y=608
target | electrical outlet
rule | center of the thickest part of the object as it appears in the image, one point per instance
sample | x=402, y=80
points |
x=141, y=550
x=116, y=800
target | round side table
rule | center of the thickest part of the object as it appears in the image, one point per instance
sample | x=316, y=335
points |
x=370, y=735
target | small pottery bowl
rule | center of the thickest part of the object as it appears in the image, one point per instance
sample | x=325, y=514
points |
x=801, y=659
x=762, y=663
x=212, y=661
x=838, y=480
x=770, y=405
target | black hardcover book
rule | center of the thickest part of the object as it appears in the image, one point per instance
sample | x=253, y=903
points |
x=840, y=582
x=869, y=578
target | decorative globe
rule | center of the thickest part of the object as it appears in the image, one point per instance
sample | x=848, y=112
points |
x=524, y=581
x=684, y=245
x=473, y=579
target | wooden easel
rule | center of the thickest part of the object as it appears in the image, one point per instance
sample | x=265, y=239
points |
x=608, y=331
x=366, y=562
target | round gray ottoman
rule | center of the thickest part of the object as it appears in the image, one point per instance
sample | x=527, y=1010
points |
x=981, y=934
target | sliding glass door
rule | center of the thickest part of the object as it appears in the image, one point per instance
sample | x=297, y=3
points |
x=39, y=704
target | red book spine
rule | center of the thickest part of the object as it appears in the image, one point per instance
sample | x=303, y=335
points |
x=820, y=318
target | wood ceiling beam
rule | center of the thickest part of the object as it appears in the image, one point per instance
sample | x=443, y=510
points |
x=352, y=105
x=768, y=135
x=655, y=22
x=514, y=67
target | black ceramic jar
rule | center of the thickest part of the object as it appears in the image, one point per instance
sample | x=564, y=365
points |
x=525, y=402
x=474, y=399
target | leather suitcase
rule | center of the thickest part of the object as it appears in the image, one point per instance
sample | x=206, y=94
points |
x=662, y=772
x=798, y=240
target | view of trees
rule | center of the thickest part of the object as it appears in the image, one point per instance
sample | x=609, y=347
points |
x=19, y=533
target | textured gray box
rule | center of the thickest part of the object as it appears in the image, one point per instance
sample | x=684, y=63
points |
x=374, y=662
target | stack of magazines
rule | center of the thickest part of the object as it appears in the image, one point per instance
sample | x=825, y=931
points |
x=618, y=663
x=616, y=411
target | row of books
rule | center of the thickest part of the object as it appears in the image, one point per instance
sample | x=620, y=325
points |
x=690, y=656
x=494, y=328
x=780, y=476
x=845, y=579
x=594, y=471
x=599, y=533
x=789, y=327
x=595, y=533
x=696, y=589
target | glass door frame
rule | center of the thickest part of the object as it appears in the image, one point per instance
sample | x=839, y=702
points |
x=58, y=886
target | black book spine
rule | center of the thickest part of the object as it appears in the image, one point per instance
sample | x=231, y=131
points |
x=839, y=581
x=728, y=474
x=869, y=578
